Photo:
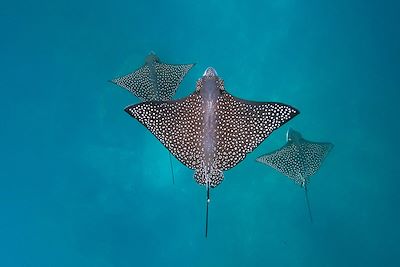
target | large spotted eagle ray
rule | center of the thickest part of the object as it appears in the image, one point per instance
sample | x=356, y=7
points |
x=211, y=131
x=154, y=81
x=298, y=159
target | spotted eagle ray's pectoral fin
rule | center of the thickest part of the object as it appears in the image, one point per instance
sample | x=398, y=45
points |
x=176, y=124
x=242, y=125
x=285, y=160
x=140, y=82
x=313, y=154
x=169, y=76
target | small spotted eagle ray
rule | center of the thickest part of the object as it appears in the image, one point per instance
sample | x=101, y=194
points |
x=298, y=159
x=154, y=81
x=211, y=131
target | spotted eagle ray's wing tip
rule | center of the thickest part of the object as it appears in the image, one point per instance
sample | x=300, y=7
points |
x=331, y=146
x=138, y=82
x=130, y=107
x=126, y=109
x=295, y=112
x=291, y=112
x=261, y=158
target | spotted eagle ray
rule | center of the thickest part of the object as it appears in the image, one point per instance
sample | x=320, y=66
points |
x=211, y=131
x=298, y=159
x=154, y=81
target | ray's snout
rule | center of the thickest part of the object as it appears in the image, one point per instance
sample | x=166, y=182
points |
x=210, y=72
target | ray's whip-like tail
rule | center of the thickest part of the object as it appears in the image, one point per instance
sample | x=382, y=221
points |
x=208, y=201
x=308, y=202
x=172, y=168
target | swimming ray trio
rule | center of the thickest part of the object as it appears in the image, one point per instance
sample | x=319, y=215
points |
x=209, y=131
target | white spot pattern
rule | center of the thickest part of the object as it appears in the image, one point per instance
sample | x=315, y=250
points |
x=241, y=127
x=286, y=160
x=177, y=124
x=169, y=77
x=139, y=83
x=215, y=177
x=298, y=160
x=154, y=81
x=313, y=156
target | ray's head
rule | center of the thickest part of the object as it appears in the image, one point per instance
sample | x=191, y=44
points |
x=210, y=83
x=210, y=72
x=152, y=57
x=293, y=136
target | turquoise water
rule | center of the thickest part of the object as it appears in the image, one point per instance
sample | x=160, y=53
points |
x=83, y=184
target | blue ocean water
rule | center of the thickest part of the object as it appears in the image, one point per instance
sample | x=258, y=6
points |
x=83, y=184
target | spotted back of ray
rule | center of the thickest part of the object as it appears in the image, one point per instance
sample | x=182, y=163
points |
x=242, y=125
x=169, y=76
x=298, y=160
x=177, y=124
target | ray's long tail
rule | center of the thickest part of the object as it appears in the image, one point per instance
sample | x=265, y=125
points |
x=172, y=168
x=208, y=202
x=308, y=202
